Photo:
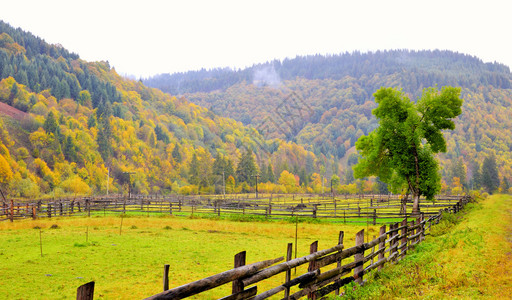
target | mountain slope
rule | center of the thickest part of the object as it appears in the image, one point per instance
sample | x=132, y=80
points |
x=78, y=124
x=335, y=96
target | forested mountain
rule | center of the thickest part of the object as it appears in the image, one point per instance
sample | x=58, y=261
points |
x=324, y=103
x=417, y=69
x=68, y=126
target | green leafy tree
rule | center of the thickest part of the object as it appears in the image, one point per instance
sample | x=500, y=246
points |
x=401, y=149
x=490, y=179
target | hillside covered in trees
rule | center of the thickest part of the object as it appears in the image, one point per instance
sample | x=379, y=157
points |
x=324, y=104
x=68, y=126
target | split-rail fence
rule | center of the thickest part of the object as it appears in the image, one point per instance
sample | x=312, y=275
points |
x=328, y=270
x=376, y=209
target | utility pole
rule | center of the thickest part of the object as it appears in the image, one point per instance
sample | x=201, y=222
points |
x=224, y=185
x=322, y=184
x=108, y=178
x=129, y=183
x=332, y=192
x=257, y=176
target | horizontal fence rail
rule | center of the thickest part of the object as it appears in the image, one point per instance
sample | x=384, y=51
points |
x=326, y=271
x=376, y=209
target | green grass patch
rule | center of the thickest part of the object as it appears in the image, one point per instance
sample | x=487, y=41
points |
x=467, y=256
x=129, y=265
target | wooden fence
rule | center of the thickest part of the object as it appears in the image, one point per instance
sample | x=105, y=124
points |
x=356, y=208
x=325, y=273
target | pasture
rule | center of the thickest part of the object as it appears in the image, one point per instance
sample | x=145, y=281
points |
x=127, y=262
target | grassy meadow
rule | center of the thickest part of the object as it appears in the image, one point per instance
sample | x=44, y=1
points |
x=130, y=265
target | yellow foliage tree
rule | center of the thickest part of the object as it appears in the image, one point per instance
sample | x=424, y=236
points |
x=288, y=180
x=5, y=171
x=75, y=185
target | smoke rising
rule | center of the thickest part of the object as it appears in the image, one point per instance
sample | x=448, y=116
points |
x=266, y=76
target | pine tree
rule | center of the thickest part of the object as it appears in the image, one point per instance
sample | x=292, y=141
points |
x=246, y=169
x=270, y=174
x=194, y=177
x=50, y=124
x=13, y=94
x=105, y=132
x=263, y=173
x=490, y=177
x=176, y=153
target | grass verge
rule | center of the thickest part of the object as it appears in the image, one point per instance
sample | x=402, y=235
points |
x=467, y=256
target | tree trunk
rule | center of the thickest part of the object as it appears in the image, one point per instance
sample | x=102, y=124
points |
x=416, y=204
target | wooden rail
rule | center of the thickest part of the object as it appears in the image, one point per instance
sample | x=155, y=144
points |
x=375, y=209
x=326, y=273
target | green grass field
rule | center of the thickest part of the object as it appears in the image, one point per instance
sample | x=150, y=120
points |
x=468, y=256
x=130, y=265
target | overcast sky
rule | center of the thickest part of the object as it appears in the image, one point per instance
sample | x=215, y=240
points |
x=148, y=37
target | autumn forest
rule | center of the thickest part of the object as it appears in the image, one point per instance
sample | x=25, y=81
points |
x=72, y=127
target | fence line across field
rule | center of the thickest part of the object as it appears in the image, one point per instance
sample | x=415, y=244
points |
x=325, y=273
x=343, y=208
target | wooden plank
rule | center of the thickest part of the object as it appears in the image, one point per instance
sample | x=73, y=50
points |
x=269, y=272
x=288, y=276
x=298, y=280
x=359, y=256
x=313, y=248
x=338, y=264
x=239, y=261
x=382, y=245
x=214, y=281
x=85, y=292
x=404, y=237
x=327, y=260
x=246, y=294
x=166, y=277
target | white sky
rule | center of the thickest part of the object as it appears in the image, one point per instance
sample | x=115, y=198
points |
x=152, y=36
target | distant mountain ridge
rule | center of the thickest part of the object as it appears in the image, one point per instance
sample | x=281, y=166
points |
x=442, y=67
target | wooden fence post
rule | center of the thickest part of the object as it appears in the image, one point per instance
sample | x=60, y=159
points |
x=394, y=243
x=312, y=265
x=85, y=292
x=422, y=227
x=288, y=275
x=49, y=209
x=12, y=210
x=166, y=277
x=338, y=264
x=358, y=257
x=238, y=286
x=374, y=217
x=418, y=229
x=403, y=244
x=382, y=245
